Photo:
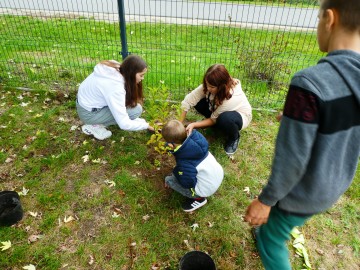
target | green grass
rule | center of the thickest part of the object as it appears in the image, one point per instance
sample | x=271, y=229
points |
x=58, y=53
x=46, y=158
x=40, y=151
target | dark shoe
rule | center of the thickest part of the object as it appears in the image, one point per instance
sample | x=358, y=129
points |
x=231, y=146
x=192, y=204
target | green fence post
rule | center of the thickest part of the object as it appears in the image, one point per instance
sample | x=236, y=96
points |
x=124, y=47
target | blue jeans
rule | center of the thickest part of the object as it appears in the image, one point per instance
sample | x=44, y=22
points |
x=174, y=184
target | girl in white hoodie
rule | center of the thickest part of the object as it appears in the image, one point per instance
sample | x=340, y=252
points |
x=113, y=95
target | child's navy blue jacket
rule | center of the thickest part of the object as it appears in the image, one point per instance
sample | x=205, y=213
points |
x=191, y=153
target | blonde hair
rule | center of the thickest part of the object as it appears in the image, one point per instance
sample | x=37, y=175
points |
x=174, y=132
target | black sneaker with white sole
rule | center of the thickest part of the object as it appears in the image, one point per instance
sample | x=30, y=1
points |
x=192, y=204
x=230, y=147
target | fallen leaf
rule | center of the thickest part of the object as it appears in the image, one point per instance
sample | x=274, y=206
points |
x=85, y=158
x=146, y=217
x=23, y=192
x=33, y=238
x=96, y=160
x=186, y=242
x=210, y=225
x=73, y=128
x=110, y=183
x=194, y=226
x=5, y=245
x=115, y=215
x=68, y=219
x=29, y=267
x=247, y=190
x=91, y=260
x=33, y=214
x=233, y=254
x=155, y=266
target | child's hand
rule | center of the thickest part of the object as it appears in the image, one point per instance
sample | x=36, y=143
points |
x=189, y=128
x=166, y=185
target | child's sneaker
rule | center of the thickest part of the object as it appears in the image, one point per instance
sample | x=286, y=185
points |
x=98, y=131
x=192, y=204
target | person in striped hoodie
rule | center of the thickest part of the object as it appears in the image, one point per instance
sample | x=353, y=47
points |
x=318, y=144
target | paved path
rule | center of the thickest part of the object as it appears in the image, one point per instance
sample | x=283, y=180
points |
x=178, y=11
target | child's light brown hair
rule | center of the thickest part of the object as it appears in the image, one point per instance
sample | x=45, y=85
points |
x=174, y=132
x=348, y=10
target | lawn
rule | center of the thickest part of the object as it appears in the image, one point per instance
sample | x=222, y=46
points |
x=101, y=204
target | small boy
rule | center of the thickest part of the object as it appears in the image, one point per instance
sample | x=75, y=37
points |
x=197, y=174
x=317, y=148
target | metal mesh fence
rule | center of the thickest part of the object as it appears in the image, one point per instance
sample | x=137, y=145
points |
x=55, y=45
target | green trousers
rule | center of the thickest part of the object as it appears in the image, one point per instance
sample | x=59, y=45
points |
x=272, y=237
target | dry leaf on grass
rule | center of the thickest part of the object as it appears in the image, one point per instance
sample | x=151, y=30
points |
x=247, y=190
x=23, y=192
x=194, y=226
x=33, y=214
x=29, y=267
x=91, y=260
x=68, y=219
x=110, y=183
x=85, y=158
x=155, y=266
x=33, y=238
x=5, y=245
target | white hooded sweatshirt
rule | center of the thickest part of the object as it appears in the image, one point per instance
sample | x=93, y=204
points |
x=106, y=87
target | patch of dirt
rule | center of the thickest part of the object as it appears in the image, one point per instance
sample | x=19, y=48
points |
x=157, y=175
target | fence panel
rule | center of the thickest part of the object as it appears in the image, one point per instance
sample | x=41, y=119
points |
x=54, y=45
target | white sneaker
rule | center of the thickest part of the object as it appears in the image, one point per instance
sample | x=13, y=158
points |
x=98, y=131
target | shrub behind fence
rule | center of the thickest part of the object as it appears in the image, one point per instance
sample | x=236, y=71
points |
x=55, y=45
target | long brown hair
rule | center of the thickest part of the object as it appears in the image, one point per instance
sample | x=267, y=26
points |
x=128, y=68
x=134, y=91
x=218, y=76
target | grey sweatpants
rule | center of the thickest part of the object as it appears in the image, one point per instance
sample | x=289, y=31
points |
x=104, y=116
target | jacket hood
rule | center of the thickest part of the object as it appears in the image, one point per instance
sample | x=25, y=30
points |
x=195, y=147
x=104, y=71
x=341, y=60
